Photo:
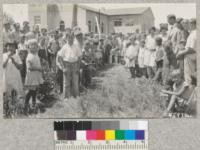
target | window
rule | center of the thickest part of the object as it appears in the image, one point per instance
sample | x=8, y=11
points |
x=37, y=20
x=89, y=26
x=102, y=27
x=118, y=22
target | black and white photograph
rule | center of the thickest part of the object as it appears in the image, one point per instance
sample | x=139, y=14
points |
x=99, y=60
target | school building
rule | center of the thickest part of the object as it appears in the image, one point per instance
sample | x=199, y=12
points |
x=91, y=20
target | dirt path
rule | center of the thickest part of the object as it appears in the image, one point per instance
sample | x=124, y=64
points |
x=112, y=94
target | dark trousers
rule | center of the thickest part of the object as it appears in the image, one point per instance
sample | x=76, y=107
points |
x=31, y=93
x=86, y=76
x=132, y=71
x=144, y=72
x=60, y=79
x=71, y=79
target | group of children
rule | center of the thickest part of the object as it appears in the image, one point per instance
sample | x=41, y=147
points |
x=167, y=57
x=161, y=55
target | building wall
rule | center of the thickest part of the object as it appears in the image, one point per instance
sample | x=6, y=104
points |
x=37, y=10
x=81, y=20
x=125, y=19
x=147, y=20
x=90, y=16
x=52, y=14
x=60, y=12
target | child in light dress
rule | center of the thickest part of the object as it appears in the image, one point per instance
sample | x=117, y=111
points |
x=141, y=58
x=132, y=55
x=34, y=73
x=11, y=71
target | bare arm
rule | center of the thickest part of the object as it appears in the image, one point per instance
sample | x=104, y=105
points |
x=5, y=63
x=186, y=51
x=175, y=93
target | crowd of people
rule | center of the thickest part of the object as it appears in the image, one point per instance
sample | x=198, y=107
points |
x=166, y=55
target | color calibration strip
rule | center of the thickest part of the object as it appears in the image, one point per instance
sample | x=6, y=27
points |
x=101, y=135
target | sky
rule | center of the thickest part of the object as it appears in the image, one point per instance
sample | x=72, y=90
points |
x=160, y=10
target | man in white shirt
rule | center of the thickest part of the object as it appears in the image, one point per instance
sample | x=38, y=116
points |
x=172, y=31
x=68, y=60
x=190, y=64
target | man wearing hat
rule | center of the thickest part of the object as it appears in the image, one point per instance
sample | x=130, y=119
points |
x=189, y=54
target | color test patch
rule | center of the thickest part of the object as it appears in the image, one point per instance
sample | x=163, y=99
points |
x=130, y=135
x=81, y=135
x=100, y=134
x=119, y=134
x=109, y=134
x=140, y=135
x=71, y=135
x=91, y=135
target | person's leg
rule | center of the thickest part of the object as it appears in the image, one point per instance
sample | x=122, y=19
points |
x=149, y=72
x=67, y=82
x=88, y=76
x=27, y=99
x=49, y=59
x=28, y=96
x=34, y=97
x=137, y=70
x=132, y=71
x=110, y=59
x=75, y=79
x=170, y=105
x=144, y=74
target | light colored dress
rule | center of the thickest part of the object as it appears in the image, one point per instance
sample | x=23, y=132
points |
x=131, y=55
x=141, y=57
x=33, y=78
x=150, y=55
x=11, y=75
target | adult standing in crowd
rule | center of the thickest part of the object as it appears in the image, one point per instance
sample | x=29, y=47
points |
x=69, y=58
x=189, y=54
x=26, y=27
x=107, y=47
x=151, y=54
x=173, y=31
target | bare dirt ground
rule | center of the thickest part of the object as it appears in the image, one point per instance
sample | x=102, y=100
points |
x=113, y=94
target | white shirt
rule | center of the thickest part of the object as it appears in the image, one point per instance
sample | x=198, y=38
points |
x=132, y=51
x=192, y=40
x=70, y=53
